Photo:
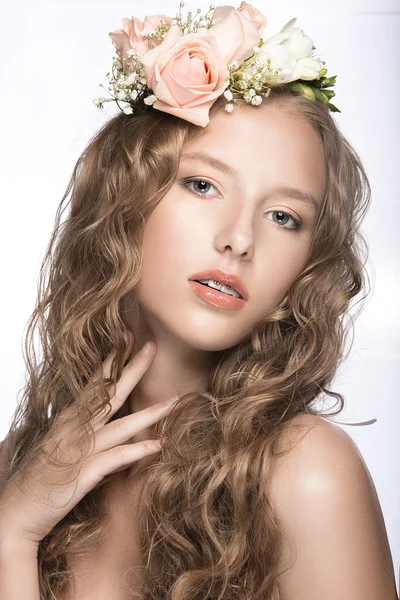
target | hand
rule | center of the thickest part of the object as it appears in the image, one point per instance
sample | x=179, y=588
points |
x=40, y=494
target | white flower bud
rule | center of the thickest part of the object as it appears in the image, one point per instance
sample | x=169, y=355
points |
x=233, y=66
x=252, y=92
x=148, y=33
x=128, y=110
x=121, y=95
x=149, y=100
x=134, y=94
x=131, y=78
x=256, y=49
x=256, y=100
x=229, y=107
x=228, y=94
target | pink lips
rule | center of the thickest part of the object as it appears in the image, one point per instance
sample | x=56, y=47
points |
x=230, y=279
x=216, y=297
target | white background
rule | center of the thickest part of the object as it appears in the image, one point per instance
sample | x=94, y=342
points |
x=54, y=54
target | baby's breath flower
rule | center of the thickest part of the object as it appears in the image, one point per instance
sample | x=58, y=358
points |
x=148, y=33
x=131, y=78
x=128, y=110
x=228, y=94
x=229, y=107
x=256, y=100
x=233, y=66
x=149, y=100
x=134, y=94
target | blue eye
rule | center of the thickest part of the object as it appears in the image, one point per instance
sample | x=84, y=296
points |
x=203, y=183
x=284, y=217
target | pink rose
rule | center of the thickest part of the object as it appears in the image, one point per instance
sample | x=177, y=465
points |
x=130, y=37
x=188, y=72
x=249, y=11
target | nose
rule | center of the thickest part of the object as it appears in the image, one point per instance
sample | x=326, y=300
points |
x=236, y=232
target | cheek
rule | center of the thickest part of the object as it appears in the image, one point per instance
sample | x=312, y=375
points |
x=166, y=242
x=283, y=263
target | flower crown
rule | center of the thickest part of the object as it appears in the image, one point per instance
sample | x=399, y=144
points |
x=181, y=66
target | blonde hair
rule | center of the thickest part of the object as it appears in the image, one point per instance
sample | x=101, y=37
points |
x=208, y=529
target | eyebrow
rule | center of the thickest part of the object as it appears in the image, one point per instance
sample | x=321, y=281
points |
x=215, y=163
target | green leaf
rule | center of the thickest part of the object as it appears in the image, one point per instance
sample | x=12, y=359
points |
x=320, y=96
x=333, y=108
x=306, y=90
x=328, y=81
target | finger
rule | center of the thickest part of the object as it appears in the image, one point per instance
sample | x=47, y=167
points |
x=131, y=375
x=119, y=431
x=116, y=459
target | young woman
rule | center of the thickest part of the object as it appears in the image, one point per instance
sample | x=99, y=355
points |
x=211, y=255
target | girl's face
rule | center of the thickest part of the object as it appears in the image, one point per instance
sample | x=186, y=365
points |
x=226, y=210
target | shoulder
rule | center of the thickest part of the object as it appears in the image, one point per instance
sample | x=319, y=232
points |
x=336, y=544
x=316, y=453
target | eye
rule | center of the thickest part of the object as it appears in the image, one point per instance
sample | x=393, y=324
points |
x=282, y=218
x=201, y=183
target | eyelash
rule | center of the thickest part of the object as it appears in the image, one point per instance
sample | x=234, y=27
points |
x=184, y=183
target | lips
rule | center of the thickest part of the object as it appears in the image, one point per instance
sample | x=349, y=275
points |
x=230, y=279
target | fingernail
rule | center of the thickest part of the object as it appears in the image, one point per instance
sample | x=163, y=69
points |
x=172, y=400
x=146, y=349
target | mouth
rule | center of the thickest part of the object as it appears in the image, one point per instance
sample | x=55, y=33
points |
x=227, y=283
x=229, y=290
x=214, y=295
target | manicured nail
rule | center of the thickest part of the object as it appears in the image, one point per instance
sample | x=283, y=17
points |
x=146, y=349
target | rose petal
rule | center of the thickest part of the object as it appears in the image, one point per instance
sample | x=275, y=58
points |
x=221, y=12
x=121, y=41
x=197, y=116
x=307, y=68
x=149, y=59
x=235, y=37
x=299, y=44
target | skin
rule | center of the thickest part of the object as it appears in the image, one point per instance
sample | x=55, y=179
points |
x=232, y=226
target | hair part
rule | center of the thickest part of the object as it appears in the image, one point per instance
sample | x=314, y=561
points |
x=208, y=529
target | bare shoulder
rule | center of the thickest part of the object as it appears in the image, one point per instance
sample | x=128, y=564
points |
x=320, y=448
x=336, y=543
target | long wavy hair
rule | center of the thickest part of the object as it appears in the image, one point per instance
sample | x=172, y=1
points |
x=208, y=529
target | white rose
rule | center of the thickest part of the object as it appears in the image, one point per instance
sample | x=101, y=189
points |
x=280, y=56
x=291, y=50
x=307, y=69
